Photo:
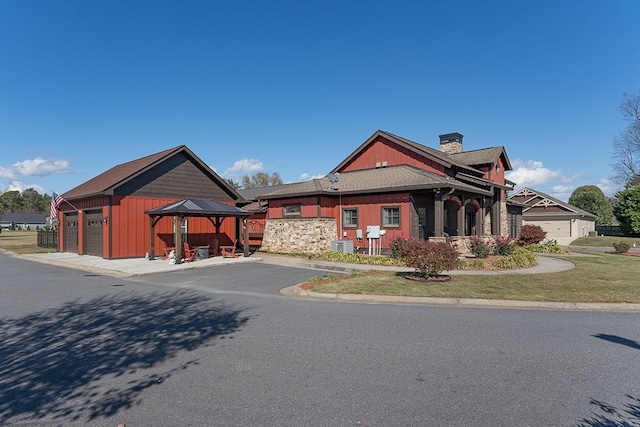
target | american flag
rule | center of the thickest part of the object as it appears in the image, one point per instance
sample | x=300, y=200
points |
x=55, y=202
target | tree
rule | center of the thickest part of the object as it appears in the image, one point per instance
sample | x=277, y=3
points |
x=626, y=146
x=235, y=184
x=591, y=199
x=31, y=201
x=11, y=201
x=627, y=209
x=261, y=179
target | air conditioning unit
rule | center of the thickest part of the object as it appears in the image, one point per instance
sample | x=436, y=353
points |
x=345, y=246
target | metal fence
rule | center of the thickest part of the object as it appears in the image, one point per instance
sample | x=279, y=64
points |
x=613, y=230
x=48, y=239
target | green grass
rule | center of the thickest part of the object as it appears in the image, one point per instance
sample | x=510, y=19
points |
x=21, y=242
x=604, y=278
x=605, y=241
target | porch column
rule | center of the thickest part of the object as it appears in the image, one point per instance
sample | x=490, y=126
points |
x=152, y=240
x=460, y=219
x=480, y=221
x=438, y=210
x=245, y=223
x=177, y=237
x=495, y=215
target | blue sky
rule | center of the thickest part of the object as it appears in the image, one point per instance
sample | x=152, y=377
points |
x=294, y=87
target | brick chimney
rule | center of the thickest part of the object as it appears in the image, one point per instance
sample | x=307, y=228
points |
x=451, y=143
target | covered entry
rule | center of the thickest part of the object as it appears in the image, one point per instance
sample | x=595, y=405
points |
x=213, y=210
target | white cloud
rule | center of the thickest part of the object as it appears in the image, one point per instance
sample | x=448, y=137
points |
x=306, y=177
x=243, y=167
x=530, y=174
x=608, y=187
x=34, y=167
x=562, y=192
x=40, y=167
x=21, y=186
x=7, y=173
x=570, y=179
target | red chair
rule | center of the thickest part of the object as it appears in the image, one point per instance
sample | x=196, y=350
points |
x=189, y=254
x=229, y=251
x=167, y=249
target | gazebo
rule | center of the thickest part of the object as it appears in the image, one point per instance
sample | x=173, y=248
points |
x=215, y=211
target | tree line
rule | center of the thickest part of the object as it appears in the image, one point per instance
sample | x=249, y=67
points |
x=27, y=201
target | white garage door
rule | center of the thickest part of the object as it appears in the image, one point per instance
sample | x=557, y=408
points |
x=554, y=229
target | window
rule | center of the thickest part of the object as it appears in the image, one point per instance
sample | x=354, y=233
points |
x=291, y=210
x=350, y=218
x=391, y=216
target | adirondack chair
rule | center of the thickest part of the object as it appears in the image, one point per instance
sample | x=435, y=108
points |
x=189, y=254
x=167, y=249
x=229, y=251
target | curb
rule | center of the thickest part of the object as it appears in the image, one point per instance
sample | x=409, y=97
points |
x=461, y=302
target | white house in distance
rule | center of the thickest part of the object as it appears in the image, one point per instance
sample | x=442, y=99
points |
x=563, y=222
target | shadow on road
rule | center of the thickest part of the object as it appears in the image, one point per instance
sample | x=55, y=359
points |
x=51, y=361
x=610, y=416
x=618, y=340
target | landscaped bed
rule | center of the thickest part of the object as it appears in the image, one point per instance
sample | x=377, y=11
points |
x=602, y=278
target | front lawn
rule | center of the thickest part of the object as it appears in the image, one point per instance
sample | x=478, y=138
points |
x=604, y=278
x=21, y=242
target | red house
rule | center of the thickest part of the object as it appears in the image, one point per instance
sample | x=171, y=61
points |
x=391, y=186
x=105, y=216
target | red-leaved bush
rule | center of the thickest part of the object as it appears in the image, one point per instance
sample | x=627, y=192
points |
x=429, y=258
x=531, y=234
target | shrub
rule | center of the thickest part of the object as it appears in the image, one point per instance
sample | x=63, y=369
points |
x=334, y=256
x=621, y=247
x=531, y=234
x=397, y=245
x=504, y=245
x=552, y=247
x=472, y=264
x=479, y=248
x=429, y=258
x=519, y=258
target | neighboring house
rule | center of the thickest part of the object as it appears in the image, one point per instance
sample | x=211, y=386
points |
x=390, y=187
x=563, y=222
x=105, y=216
x=13, y=221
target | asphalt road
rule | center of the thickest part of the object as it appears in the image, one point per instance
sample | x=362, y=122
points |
x=221, y=347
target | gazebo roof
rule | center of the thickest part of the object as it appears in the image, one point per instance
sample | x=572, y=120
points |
x=197, y=207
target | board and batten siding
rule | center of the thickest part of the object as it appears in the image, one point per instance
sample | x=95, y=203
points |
x=382, y=150
x=177, y=177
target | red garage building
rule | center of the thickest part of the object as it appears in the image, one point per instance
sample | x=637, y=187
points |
x=105, y=216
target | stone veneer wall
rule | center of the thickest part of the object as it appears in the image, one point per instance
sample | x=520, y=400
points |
x=308, y=235
x=504, y=219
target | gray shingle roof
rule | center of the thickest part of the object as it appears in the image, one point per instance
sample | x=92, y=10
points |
x=483, y=156
x=536, y=198
x=122, y=173
x=198, y=207
x=380, y=180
